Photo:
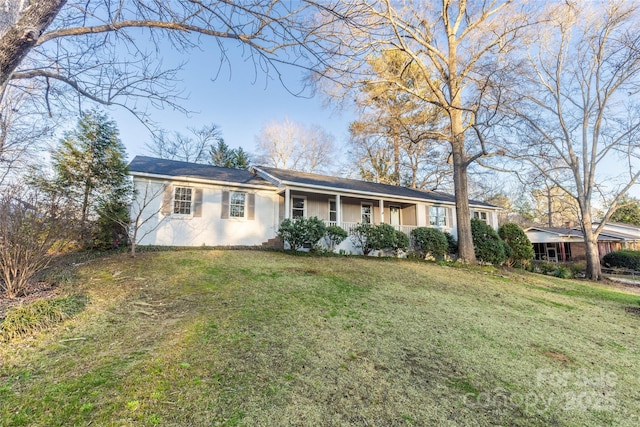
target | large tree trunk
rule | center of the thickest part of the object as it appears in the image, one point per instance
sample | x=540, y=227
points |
x=594, y=272
x=466, y=253
x=21, y=37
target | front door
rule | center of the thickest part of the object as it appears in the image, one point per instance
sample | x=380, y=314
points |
x=394, y=215
x=552, y=252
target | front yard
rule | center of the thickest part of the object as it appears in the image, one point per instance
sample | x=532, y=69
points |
x=265, y=338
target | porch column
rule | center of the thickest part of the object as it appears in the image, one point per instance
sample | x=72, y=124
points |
x=287, y=197
x=381, y=211
x=338, y=211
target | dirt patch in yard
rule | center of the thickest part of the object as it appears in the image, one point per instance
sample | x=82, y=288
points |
x=557, y=356
x=635, y=311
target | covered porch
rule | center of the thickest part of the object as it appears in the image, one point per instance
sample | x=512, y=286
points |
x=348, y=210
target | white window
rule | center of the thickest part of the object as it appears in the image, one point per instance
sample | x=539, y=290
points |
x=438, y=216
x=298, y=207
x=333, y=212
x=237, y=204
x=482, y=216
x=182, y=198
x=366, y=213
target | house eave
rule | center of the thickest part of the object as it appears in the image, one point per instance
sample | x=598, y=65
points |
x=205, y=181
x=323, y=189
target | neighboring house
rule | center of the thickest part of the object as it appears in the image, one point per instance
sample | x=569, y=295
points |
x=214, y=206
x=567, y=244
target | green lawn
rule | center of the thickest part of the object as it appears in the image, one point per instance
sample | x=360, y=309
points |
x=195, y=338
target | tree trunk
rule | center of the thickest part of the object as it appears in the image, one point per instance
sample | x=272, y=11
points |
x=21, y=37
x=594, y=271
x=466, y=253
x=549, y=207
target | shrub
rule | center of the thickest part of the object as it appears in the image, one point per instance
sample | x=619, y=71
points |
x=302, y=232
x=384, y=237
x=430, y=241
x=452, y=242
x=378, y=237
x=400, y=241
x=334, y=236
x=362, y=237
x=622, y=259
x=520, y=247
x=486, y=243
x=41, y=314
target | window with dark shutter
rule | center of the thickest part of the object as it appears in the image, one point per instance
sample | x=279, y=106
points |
x=224, y=206
x=251, y=206
x=197, y=202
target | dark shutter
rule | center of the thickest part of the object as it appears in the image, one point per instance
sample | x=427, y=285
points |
x=225, y=205
x=167, y=199
x=251, y=206
x=197, y=202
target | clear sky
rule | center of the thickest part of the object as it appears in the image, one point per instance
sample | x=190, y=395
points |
x=240, y=101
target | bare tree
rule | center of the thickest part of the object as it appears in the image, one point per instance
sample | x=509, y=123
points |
x=458, y=46
x=144, y=218
x=195, y=148
x=30, y=226
x=110, y=51
x=575, y=117
x=291, y=145
x=22, y=132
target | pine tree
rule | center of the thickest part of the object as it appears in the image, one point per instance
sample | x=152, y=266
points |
x=90, y=169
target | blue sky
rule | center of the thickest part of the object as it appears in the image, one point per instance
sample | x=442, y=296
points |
x=240, y=101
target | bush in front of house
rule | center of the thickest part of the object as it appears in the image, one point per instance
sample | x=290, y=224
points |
x=622, y=259
x=302, y=232
x=520, y=247
x=370, y=238
x=334, y=236
x=430, y=241
x=487, y=244
x=452, y=243
x=363, y=237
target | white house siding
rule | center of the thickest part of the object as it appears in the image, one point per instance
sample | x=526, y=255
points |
x=209, y=229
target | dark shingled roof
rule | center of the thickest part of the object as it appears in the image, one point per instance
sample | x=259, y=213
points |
x=163, y=167
x=354, y=185
x=155, y=166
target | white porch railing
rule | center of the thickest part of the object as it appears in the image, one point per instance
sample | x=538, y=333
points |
x=349, y=226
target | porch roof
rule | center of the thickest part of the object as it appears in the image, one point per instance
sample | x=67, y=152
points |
x=282, y=177
x=559, y=234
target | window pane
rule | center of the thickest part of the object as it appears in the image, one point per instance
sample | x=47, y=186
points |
x=332, y=211
x=438, y=216
x=366, y=214
x=297, y=209
x=236, y=205
x=182, y=201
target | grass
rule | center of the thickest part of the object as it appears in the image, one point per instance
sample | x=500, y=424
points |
x=264, y=338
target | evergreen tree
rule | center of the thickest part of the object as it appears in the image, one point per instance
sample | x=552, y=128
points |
x=628, y=212
x=224, y=156
x=90, y=169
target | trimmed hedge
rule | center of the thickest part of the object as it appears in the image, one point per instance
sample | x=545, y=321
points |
x=487, y=244
x=622, y=259
x=378, y=237
x=430, y=241
x=302, y=232
x=520, y=251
